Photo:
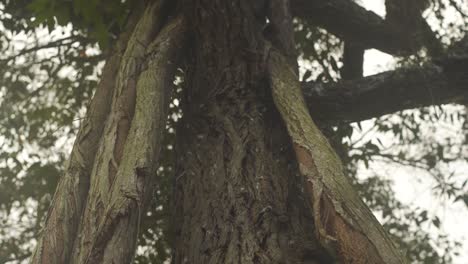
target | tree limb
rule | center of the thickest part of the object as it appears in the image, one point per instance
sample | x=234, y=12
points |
x=55, y=241
x=388, y=92
x=353, y=61
x=344, y=225
x=352, y=22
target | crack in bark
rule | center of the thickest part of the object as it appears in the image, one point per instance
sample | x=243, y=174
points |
x=55, y=241
x=326, y=181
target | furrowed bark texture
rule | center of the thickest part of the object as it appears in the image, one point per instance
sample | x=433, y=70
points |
x=55, y=243
x=344, y=224
x=237, y=196
x=125, y=166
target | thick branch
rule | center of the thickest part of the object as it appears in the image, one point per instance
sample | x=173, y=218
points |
x=344, y=225
x=55, y=242
x=115, y=238
x=353, y=60
x=388, y=92
x=352, y=22
x=110, y=154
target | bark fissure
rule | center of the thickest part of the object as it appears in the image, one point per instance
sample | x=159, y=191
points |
x=244, y=193
x=111, y=220
x=238, y=199
x=332, y=197
x=56, y=240
x=115, y=132
x=344, y=225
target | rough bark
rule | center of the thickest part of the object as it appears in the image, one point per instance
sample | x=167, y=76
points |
x=344, y=224
x=125, y=165
x=237, y=197
x=97, y=208
x=56, y=238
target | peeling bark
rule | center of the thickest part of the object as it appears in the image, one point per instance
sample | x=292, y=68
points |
x=120, y=140
x=344, y=225
x=238, y=198
x=121, y=186
x=55, y=241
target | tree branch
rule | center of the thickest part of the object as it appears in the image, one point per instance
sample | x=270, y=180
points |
x=352, y=22
x=53, y=44
x=388, y=92
x=353, y=61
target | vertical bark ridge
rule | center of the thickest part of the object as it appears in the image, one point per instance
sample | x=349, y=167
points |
x=344, y=224
x=55, y=242
x=117, y=232
x=237, y=196
x=124, y=101
x=111, y=151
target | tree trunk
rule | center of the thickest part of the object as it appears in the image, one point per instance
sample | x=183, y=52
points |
x=238, y=197
x=57, y=236
x=238, y=194
x=244, y=193
x=112, y=169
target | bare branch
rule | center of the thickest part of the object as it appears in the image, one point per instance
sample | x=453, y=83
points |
x=389, y=92
x=352, y=22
